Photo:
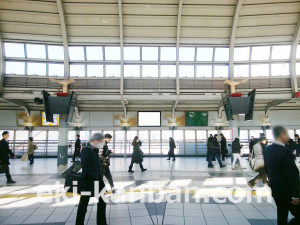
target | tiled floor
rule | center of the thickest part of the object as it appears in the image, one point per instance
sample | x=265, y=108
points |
x=157, y=196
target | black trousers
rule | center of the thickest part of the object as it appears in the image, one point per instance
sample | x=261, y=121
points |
x=105, y=171
x=284, y=206
x=76, y=153
x=7, y=173
x=261, y=176
x=82, y=208
x=211, y=158
x=224, y=153
x=131, y=165
x=31, y=158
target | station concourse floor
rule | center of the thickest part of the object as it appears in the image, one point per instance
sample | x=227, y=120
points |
x=165, y=181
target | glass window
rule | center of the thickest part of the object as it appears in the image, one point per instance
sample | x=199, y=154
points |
x=190, y=135
x=36, y=69
x=52, y=135
x=94, y=53
x=168, y=54
x=201, y=135
x=281, y=52
x=178, y=135
x=280, y=69
x=150, y=53
x=241, y=70
x=132, y=53
x=204, y=71
x=15, y=68
x=166, y=134
x=144, y=135
x=84, y=135
x=256, y=133
x=260, y=53
x=244, y=135
x=76, y=53
x=36, y=51
x=205, y=54
x=14, y=50
x=298, y=52
x=22, y=135
x=167, y=71
x=95, y=70
x=291, y=133
x=242, y=54
x=71, y=136
x=221, y=54
x=297, y=68
x=55, y=52
x=131, y=70
x=56, y=69
x=77, y=70
x=150, y=70
x=112, y=53
x=186, y=54
x=39, y=135
x=113, y=70
x=186, y=71
x=221, y=71
x=11, y=134
x=260, y=70
x=227, y=134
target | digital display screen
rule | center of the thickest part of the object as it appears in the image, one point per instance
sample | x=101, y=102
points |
x=49, y=124
x=149, y=119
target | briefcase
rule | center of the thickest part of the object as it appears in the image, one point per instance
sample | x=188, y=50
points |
x=69, y=182
x=3, y=168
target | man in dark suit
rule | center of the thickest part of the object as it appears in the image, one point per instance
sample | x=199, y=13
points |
x=283, y=177
x=214, y=145
x=4, y=158
x=91, y=166
x=297, y=144
x=77, y=147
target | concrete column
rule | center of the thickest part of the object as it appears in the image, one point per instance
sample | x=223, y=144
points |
x=63, y=130
x=234, y=125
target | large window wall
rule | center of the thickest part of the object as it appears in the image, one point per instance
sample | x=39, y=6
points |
x=155, y=142
x=148, y=61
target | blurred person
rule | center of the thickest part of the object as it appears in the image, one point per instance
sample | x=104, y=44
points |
x=236, y=152
x=209, y=150
x=172, y=146
x=215, y=147
x=31, y=148
x=251, y=143
x=77, y=147
x=224, y=150
x=283, y=177
x=105, y=163
x=4, y=158
x=257, y=162
x=137, y=155
x=91, y=173
x=297, y=144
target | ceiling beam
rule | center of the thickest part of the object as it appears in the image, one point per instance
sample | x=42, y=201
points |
x=120, y=8
x=177, y=45
x=273, y=104
x=293, y=58
x=232, y=37
x=64, y=32
x=19, y=103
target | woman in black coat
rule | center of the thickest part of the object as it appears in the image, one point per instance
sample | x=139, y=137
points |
x=137, y=155
x=224, y=150
x=171, y=149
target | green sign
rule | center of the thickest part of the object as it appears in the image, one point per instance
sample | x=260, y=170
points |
x=196, y=118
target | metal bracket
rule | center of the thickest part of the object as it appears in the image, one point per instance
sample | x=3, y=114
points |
x=221, y=107
x=273, y=104
x=174, y=107
x=19, y=103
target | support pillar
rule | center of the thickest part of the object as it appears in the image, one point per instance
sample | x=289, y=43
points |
x=63, y=130
x=234, y=125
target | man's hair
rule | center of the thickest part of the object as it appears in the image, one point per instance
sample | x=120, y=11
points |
x=108, y=136
x=77, y=135
x=5, y=133
x=216, y=135
x=278, y=130
x=296, y=135
x=31, y=139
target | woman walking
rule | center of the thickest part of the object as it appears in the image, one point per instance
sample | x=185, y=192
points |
x=137, y=155
x=224, y=150
x=257, y=163
x=236, y=152
x=31, y=148
x=171, y=149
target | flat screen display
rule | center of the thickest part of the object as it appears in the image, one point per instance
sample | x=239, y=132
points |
x=149, y=119
x=55, y=122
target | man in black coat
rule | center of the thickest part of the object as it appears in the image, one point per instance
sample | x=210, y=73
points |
x=91, y=166
x=215, y=147
x=4, y=158
x=283, y=177
x=251, y=143
x=297, y=144
x=77, y=147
